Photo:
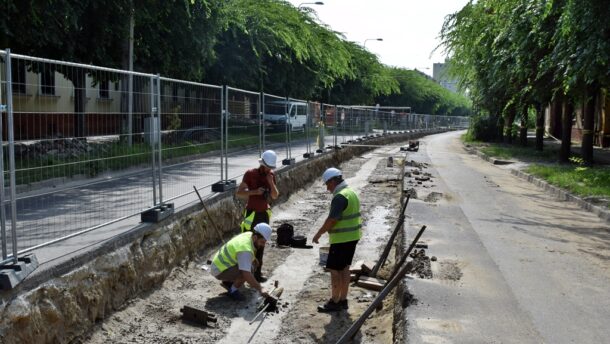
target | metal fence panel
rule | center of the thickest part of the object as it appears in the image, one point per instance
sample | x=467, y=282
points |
x=190, y=137
x=91, y=146
x=244, y=129
x=78, y=166
x=275, y=118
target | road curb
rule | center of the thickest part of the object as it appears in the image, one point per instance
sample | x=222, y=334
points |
x=558, y=192
x=563, y=194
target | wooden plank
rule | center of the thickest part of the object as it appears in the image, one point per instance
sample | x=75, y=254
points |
x=357, y=267
x=367, y=267
x=371, y=283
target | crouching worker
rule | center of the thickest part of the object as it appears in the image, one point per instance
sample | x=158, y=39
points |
x=233, y=263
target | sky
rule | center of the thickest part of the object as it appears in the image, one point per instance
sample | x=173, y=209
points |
x=409, y=28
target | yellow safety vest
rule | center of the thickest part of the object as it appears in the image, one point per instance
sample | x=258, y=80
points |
x=348, y=227
x=226, y=257
x=246, y=224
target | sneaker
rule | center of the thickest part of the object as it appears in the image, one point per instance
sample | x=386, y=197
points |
x=236, y=295
x=343, y=304
x=329, y=306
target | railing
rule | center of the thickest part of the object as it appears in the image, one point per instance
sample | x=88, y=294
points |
x=84, y=147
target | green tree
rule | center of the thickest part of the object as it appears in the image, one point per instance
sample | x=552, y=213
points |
x=174, y=38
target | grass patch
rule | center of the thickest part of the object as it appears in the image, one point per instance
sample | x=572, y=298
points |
x=583, y=181
x=575, y=178
x=119, y=156
x=508, y=152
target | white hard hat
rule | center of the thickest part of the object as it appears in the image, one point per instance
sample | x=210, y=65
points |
x=331, y=173
x=268, y=158
x=264, y=230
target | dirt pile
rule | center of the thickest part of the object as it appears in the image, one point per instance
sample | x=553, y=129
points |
x=419, y=265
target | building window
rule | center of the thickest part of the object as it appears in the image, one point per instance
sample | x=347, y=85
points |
x=18, y=76
x=47, y=82
x=104, y=89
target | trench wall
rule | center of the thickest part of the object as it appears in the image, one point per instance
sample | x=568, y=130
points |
x=63, y=305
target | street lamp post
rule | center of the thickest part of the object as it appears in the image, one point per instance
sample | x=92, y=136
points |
x=371, y=39
x=320, y=3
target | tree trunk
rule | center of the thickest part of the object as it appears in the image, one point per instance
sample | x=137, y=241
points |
x=508, y=126
x=500, y=129
x=588, y=122
x=523, y=130
x=539, y=127
x=566, y=130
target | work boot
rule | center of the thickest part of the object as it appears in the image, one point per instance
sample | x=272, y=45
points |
x=343, y=304
x=260, y=278
x=329, y=306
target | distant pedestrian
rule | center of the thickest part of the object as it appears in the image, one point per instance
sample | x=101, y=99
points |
x=257, y=187
x=343, y=225
x=233, y=263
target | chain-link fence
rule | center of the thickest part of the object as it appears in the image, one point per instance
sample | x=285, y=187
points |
x=84, y=147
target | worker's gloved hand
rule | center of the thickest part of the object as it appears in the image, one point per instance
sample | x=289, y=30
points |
x=264, y=293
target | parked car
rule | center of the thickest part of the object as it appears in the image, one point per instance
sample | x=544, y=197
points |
x=275, y=115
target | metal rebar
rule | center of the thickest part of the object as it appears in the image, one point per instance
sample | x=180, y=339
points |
x=209, y=216
x=382, y=294
x=388, y=247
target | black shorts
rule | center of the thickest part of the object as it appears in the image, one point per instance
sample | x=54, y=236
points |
x=340, y=255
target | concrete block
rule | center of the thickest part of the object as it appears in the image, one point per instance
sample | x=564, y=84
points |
x=13, y=273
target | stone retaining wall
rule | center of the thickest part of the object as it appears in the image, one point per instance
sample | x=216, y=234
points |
x=64, y=304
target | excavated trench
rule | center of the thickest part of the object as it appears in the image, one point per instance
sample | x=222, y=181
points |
x=134, y=293
x=155, y=318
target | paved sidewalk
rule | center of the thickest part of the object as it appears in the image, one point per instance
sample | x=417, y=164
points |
x=517, y=167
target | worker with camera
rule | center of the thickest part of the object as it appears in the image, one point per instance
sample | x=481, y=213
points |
x=258, y=188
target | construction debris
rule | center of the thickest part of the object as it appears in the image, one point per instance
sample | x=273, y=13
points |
x=197, y=316
x=371, y=283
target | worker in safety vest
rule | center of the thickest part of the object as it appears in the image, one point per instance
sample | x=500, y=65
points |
x=343, y=225
x=258, y=186
x=233, y=263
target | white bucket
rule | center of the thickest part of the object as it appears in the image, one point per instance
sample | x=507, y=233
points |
x=324, y=255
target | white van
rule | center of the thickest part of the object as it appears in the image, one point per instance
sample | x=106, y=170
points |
x=275, y=115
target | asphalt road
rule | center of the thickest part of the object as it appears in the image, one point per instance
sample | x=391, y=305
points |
x=514, y=264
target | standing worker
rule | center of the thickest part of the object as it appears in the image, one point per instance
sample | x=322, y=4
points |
x=232, y=264
x=343, y=225
x=257, y=186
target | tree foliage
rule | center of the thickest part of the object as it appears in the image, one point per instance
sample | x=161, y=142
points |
x=515, y=55
x=261, y=45
x=424, y=95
